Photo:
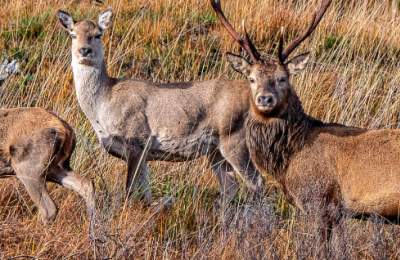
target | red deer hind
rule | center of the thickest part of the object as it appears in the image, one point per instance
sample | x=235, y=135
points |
x=140, y=121
x=354, y=170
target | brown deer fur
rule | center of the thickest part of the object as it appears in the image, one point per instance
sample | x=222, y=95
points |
x=36, y=146
x=327, y=164
x=348, y=167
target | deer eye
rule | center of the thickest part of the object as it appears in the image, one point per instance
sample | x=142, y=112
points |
x=97, y=36
x=282, y=80
x=252, y=81
x=73, y=36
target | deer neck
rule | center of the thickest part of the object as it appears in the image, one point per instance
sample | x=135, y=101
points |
x=273, y=140
x=91, y=84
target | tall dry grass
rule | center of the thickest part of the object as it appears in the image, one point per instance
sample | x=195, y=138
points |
x=353, y=79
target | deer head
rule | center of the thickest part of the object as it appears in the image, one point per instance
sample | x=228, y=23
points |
x=87, y=47
x=269, y=78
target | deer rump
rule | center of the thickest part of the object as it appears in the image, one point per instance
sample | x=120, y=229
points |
x=36, y=147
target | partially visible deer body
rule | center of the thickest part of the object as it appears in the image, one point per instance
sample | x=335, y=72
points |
x=36, y=146
x=355, y=170
x=139, y=121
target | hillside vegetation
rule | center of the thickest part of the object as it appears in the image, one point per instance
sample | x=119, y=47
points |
x=353, y=79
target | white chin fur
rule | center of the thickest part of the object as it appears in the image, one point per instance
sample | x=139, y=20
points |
x=96, y=62
x=265, y=109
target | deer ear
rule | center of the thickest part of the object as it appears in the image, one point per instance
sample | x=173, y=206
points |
x=298, y=63
x=239, y=63
x=105, y=19
x=65, y=20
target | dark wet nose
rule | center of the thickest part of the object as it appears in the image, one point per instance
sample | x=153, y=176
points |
x=265, y=100
x=85, y=51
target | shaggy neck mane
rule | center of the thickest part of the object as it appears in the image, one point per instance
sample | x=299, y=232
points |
x=273, y=140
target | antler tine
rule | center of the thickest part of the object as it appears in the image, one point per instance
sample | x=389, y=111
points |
x=245, y=43
x=280, y=50
x=253, y=48
x=317, y=17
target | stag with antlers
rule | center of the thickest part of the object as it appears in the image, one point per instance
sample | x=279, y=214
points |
x=320, y=165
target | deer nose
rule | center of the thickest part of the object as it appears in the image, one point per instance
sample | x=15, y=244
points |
x=85, y=51
x=267, y=100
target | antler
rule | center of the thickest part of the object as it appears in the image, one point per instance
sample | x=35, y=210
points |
x=284, y=54
x=245, y=42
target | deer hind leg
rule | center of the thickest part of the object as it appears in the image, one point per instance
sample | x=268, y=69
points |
x=226, y=178
x=30, y=161
x=233, y=148
x=32, y=177
x=138, y=179
x=81, y=185
x=36, y=189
